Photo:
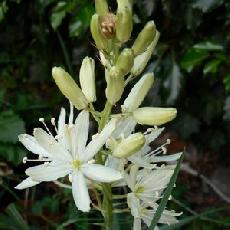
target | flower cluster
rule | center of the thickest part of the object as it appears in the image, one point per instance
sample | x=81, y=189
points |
x=117, y=155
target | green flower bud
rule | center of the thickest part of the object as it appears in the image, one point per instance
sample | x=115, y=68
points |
x=101, y=7
x=115, y=85
x=87, y=79
x=69, y=88
x=99, y=39
x=154, y=116
x=122, y=4
x=124, y=25
x=124, y=22
x=138, y=93
x=145, y=38
x=125, y=61
x=129, y=146
x=141, y=60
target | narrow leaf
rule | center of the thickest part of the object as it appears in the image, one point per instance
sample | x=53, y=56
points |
x=166, y=196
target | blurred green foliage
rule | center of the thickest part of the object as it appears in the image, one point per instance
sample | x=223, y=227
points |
x=191, y=66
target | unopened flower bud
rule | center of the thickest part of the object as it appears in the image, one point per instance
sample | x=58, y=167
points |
x=145, y=38
x=115, y=85
x=87, y=79
x=125, y=61
x=99, y=39
x=154, y=116
x=69, y=88
x=124, y=25
x=129, y=146
x=101, y=7
x=138, y=93
x=141, y=60
x=107, y=24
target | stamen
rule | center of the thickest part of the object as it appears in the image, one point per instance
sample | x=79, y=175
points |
x=46, y=160
x=162, y=149
x=24, y=160
x=71, y=113
x=43, y=122
x=92, y=161
x=70, y=177
x=53, y=123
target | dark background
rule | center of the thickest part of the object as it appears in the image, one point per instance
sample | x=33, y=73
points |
x=192, y=73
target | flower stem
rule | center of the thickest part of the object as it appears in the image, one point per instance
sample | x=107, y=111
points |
x=107, y=206
x=105, y=116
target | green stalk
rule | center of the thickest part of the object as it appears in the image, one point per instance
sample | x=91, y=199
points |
x=105, y=116
x=107, y=190
x=107, y=206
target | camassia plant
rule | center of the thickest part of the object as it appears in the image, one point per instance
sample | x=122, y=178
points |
x=117, y=157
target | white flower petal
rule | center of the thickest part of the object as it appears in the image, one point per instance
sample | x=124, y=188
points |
x=80, y=192
x=61, y=127
x=134, y=204
x=32, y=145
x=48, y=172
x=101, y=173
x=27, y=183
x=98, y=141
x=137, y=224
x=153, y=135
x=81, y=128
x=172, y=157
x=51, y=145
x=140, y=161
x=71, y=113
x=168, y=217
x=157, y=179
x=124, y=127
x=138, y=93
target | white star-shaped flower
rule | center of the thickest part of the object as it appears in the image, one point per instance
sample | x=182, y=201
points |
x=146, y=188
x=68, y=154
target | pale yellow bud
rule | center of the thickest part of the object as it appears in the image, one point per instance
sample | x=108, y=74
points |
x=154, y=116
x=124, y=25
x=141, y=60
x=69, y=88
x=138, y=93
x=124, y=4
x=100, y=40
x=87, y=79
x=129, y=146
x=125, y=61
x=101, y=7
x=115, y=85
x=145, y=38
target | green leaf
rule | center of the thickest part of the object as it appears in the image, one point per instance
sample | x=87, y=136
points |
x=16, y=216
x=12, y=153
x=192, y=58
x=206, y=5
x=211, y=67
x=166, y=196
x=210, y=46
x=3, y=10
x=226, y=115
x=2, y=94
x=75, y=28
x=192, y=218
x=227, y=82
x=12, y=219
x=11, y=125
x=58, y=14
x=81, y=21
x=173, y=83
